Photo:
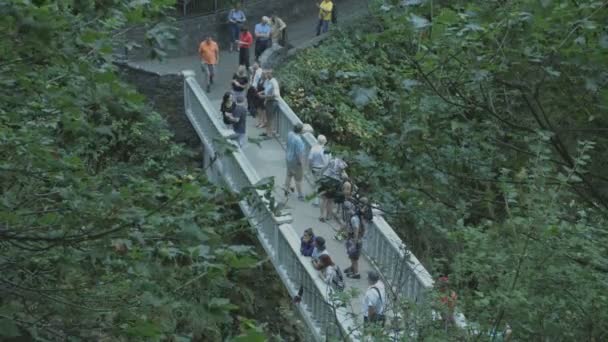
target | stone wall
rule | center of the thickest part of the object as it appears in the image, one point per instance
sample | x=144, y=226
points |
x=166, y=95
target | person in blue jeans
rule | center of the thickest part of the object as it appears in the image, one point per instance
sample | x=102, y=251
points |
x=236, y=19
x=295, y=158
x=325, y=9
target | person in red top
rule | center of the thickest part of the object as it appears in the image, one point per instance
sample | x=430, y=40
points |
x=245, y=41
x=448, y=299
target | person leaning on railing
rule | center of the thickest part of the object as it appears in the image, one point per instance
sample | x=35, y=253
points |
x=307, y=242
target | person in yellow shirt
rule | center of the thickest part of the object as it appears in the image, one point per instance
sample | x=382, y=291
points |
x=325, y=8
x=210, y=56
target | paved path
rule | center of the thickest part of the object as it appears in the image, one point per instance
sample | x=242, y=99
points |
x=299, y=32
x=269, y=158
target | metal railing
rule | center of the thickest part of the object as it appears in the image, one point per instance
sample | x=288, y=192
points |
x=401, y=269
x=276, y=235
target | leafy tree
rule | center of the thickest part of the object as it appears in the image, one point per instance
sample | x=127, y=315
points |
x=108, y=231
x=480, y=127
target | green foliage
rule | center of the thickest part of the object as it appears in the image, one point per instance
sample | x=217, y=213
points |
x=485, y=143
x=108, y=231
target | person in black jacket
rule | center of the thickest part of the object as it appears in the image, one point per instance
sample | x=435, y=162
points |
x=228, y=106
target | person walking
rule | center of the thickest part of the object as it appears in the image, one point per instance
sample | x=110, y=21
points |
x=244, y=42
x=262, y=37
x=295, y=160
x=277, y=32
x=317, y=161
x=271, y=95
x=236, y=19
x=239, y=120
x=325, y=8
x=374, y=301
x=209, y=52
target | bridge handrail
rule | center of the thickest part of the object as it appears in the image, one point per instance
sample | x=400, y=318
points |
x=402, y=271
x=277, y=236
x=382, y=245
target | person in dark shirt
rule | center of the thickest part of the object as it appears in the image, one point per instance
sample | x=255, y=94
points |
x=307, y=242
x=228, y=106
x=239, y=120
x=240, y=81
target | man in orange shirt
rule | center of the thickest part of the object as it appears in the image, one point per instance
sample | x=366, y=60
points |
x=210, y=57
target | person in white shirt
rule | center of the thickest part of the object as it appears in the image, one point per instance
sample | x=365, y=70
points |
x=374, y=301
x=317, y=161
x=252, y=94
x=271, y=95
x=328, y=270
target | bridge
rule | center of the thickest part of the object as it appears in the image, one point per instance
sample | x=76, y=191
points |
x=243, y=170
x=247, y=171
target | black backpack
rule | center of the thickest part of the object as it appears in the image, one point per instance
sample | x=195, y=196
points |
x=367, y=213
x=338, y=280
x=334, y=14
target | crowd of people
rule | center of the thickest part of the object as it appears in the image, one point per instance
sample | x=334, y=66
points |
x=271, y=30
x=254, y=91
x=352, y=213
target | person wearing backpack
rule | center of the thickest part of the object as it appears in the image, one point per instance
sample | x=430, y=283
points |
x=374, y=301
x=331, y=274
x=330, y=187
x=325, y=9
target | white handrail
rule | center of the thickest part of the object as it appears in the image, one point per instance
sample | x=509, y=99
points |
x=276, y=235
